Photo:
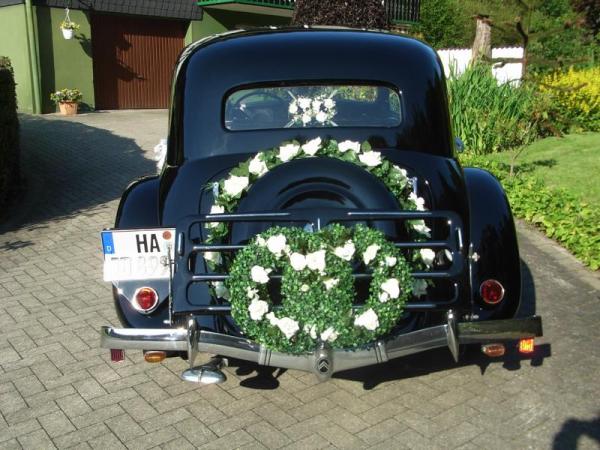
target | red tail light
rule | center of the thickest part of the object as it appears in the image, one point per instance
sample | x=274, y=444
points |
x=117, y=354
x=492, y=292
x=146, y=299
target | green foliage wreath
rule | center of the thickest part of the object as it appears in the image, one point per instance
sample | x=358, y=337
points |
x=317, y=286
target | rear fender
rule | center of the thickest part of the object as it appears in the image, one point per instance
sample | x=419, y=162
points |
x=139, y=209
x=493, y=244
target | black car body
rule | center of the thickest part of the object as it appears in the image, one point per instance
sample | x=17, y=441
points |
x=467, y=208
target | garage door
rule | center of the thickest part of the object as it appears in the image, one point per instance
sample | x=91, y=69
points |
x=133, y=60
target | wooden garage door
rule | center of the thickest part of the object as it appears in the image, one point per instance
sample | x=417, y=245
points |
x=133, y=60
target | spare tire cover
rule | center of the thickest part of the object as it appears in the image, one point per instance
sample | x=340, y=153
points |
x=318, y=185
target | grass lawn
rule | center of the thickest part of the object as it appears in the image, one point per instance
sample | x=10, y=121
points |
x=571, y=162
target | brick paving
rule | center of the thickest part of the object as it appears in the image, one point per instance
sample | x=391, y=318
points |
x=59, y=389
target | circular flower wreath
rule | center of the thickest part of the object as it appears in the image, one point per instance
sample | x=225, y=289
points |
x=317, y=284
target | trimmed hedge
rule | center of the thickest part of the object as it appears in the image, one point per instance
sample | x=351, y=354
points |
x=9, y=132
x=558, y=213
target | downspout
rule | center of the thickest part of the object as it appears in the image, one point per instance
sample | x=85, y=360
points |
x=33, y=57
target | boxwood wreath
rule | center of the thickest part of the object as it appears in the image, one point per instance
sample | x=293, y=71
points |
x=317, y=286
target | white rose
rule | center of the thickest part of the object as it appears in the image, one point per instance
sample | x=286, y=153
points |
x=419, y=288
x=427, y=255
x=260, y=241
x=215, y=209
x=252, y=293
x=321, y=117
x=329, y=103
x=391, y=287
x=306, y=118
x=419, y=202
x=293, y=109
x=257, y=309
x=391, y=261
x=304, y=102
x=330, y=282
x=288, y=326
x=420, y=227
x=311, y=330
x=298, y=261
x=257, y=166
x=312, y=147
x=276, y=244
x=259, y=275
x=368, y=320
x=384, y=297
x=214, y=257
x=288, y=151
x=221, y=290
x=370, y=253
x=329, y=335
x=272, y=319
x=370, y=159
x=346, y=252
x=400, y=174
x=234, y=186
x=316, y=105
x=349, y=145
x=304, y=288
x=316, y=260
x=448, y=255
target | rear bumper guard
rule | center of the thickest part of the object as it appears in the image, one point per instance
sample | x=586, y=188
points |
x=323, y=361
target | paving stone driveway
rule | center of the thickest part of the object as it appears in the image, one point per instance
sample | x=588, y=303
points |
x=58, y=389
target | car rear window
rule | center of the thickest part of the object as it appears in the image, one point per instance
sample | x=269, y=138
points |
x=315, y=106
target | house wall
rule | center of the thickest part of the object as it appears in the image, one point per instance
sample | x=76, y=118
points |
x=64, y=63
x=13, y=43
x=217, y=21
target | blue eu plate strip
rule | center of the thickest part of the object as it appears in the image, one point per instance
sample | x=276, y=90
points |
x=108, y=247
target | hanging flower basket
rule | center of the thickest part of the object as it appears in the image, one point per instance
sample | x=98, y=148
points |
x=68, y=33
x=68, y=28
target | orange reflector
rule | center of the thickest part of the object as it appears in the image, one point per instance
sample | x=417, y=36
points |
x=493, y=350
x=526, y=345
x=154, y=356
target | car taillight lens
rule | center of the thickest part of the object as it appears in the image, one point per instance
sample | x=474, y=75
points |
x=492, y=292
x=146, y=298
x=526, y=345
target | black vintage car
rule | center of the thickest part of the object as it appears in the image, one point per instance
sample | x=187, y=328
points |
x=281, y=142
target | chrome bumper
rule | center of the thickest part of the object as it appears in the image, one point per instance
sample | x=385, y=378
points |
x=323, y=361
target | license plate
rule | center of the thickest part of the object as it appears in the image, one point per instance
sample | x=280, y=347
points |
x=137, y=254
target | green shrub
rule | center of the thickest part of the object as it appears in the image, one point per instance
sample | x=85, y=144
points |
x=559, y=214
x=490, y=117
x=9, y=132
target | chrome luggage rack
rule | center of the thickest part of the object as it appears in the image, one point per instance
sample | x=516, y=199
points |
x=186, y=246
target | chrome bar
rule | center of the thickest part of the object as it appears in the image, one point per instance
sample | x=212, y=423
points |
x=324, y=361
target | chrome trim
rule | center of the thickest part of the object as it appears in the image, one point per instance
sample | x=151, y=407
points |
x=324, y=361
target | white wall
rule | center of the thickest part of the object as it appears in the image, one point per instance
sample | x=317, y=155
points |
x=458, y=59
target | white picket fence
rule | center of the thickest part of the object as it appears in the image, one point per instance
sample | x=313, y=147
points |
x=458, y=59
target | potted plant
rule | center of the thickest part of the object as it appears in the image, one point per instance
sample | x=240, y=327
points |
x=67, y=100
x=68, y=28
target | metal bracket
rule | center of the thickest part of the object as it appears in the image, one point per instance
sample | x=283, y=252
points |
x=192, y=341
x=451, y=335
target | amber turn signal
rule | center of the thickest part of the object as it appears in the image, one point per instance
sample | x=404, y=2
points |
x=526, y=345
x=493, y=350
x=154, y=356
